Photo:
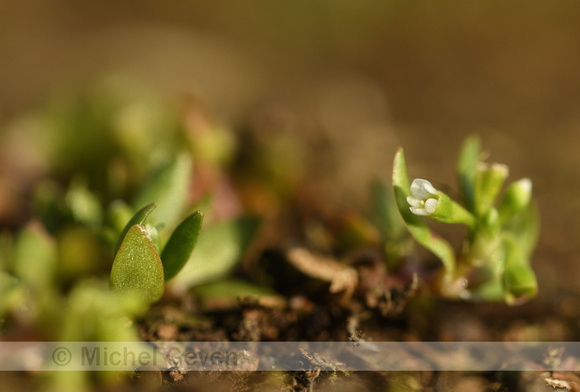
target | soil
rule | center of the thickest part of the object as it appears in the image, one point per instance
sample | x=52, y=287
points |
x=416, y=319
x=380, y=308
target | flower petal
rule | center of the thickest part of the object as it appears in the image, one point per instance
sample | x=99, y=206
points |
x=414, y=202
x=431, y=205
x=418, y=211
x=422, y=189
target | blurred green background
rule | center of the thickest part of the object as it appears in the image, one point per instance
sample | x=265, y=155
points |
x=350, y=80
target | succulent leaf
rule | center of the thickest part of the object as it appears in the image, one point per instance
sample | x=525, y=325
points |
x=137, y=267
x=138, y=219
x=181, y=244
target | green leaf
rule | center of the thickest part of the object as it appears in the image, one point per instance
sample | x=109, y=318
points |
x=525, y=229
x=385, y=213
x=181, y=244
x=84, y=205
x=35, y=257
x=448, y=211
x=520, y=283
x=466, y=169
x=9, y=287
x=154, y=235
x=138, y=219
x=519, y=279
x=92, y=312
x=516, y=198
x=219, y=250
x=137, y=267
x=169, y=188
x=49, y=205
x=417, y=226
x=487, y=184
x=79, y=253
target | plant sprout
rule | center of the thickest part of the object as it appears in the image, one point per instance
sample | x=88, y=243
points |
x=142, y=265
x=102, y=157
x=138, y=266
x=494, y=261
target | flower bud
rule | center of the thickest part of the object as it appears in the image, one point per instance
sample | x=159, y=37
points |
x=515, y=199
x=488, y=182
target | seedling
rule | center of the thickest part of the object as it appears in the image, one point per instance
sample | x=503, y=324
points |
x=494, y=262
x=143, y=265
x=138, y=267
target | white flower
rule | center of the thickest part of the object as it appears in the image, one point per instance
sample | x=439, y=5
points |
x=424, y=197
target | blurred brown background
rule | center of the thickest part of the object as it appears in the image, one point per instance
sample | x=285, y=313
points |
x=352, y=80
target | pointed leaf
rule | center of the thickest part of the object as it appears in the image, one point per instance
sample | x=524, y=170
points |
x=416, y=226
x=219, y=250
x=154, y=235
x=525, y=229
x=515, y=199
x=385, y=212
x=487, y=184
x=466, y=169
x=169, y=188
x=519, y=279
x=181, y=244
x=137, y=267
x=138, y=219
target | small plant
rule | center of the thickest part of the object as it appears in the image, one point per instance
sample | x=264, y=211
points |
x=103, y=155
x=144, y=261
x=494, y=261
x=138, y=266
